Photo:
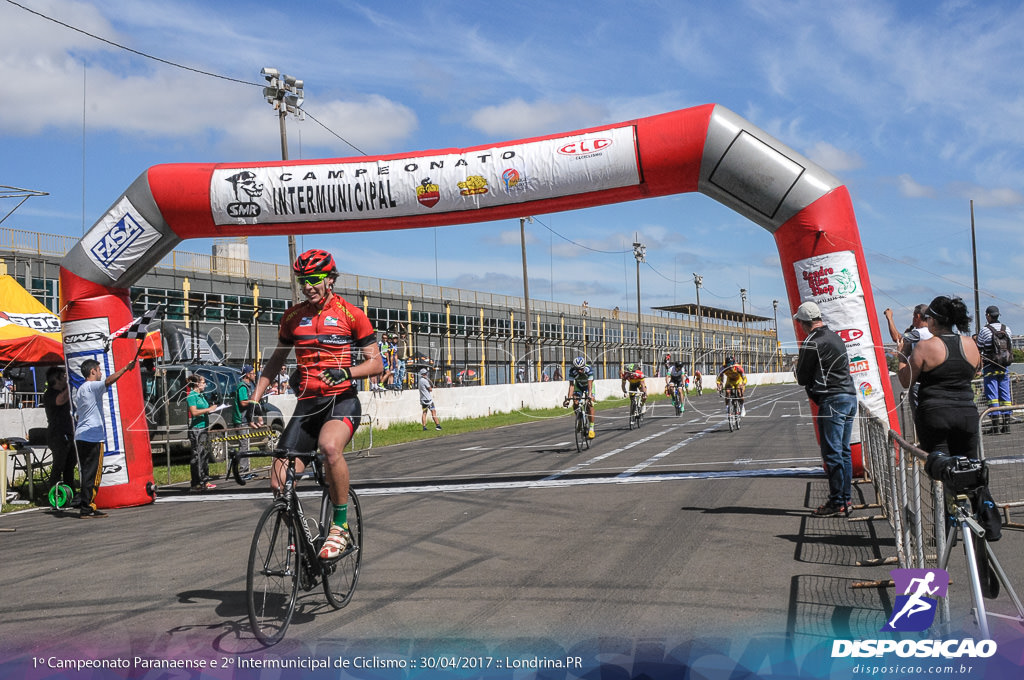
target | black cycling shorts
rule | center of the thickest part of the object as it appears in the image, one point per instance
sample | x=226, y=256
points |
x=303, y=431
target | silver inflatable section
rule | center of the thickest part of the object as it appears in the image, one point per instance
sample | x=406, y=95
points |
x=751, y=172
x=128, y=241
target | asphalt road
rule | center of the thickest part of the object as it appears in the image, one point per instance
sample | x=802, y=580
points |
x=653, y=544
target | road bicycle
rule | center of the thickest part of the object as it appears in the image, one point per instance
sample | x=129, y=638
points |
x=284, y=555
x=677, y=398
x=581, y=428
x=636, y=409
x=733, y=408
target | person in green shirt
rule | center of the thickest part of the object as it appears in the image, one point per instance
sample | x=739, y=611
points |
x=243, y=418
x=199, y=433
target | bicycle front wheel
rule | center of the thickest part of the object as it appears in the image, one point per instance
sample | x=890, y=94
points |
x=632, y=412
x=272, y=580
x=581, y=435
x=340, y=576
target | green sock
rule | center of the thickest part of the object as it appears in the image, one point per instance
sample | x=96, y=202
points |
x=341, y=515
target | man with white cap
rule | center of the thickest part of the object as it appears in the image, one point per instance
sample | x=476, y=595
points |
x=823, y=369
x=427, y=400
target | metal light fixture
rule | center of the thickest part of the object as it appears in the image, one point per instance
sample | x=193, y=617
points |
x=285, y=94
x=640, y=253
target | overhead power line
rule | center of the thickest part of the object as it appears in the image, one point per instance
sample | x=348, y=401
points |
x=173, y=64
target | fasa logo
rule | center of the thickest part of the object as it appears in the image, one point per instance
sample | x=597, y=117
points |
x=113, y=244
x=583, y=147
x=914, y=610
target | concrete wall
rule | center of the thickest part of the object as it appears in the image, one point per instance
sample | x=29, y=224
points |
x=452, y=403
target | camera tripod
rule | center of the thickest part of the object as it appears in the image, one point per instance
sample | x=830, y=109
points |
x=965, y=525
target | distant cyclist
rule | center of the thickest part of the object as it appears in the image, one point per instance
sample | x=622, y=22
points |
x=325, y=331
x=633, y=380
x=674, y=380
x=697, y=386
x=732, y=377
x=581, y=386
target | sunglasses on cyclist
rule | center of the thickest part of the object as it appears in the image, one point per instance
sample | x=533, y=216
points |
x=311, y=279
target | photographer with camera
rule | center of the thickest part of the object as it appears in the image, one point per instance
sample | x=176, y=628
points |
x=944, y=365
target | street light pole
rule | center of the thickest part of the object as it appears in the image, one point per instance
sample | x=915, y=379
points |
x=698, y=281
x=640, y=253
x=285, y=93
x=778, y=353
x=526, y=294
x=743, y=303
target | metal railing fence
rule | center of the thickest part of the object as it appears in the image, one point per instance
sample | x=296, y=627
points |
x=914, y=505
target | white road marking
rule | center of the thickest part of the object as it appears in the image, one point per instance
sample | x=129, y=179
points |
x=548, y=483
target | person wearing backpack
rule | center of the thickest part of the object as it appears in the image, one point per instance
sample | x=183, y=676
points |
x=994, y=341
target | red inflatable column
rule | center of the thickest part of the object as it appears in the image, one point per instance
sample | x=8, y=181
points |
x=823, y=261
x=91, y=313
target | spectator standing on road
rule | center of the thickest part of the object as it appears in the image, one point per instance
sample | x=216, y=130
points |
x=944, y=365
x=90, y=433
x=60, y=428
x=823, y=369
x=243, y=417
x=199, y=433
x=427, y=400
x=994, y=341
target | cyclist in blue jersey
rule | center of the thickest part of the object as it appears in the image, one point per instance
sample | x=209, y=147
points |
x=581, y=386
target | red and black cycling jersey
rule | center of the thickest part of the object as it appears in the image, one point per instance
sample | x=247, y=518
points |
x=324, y=338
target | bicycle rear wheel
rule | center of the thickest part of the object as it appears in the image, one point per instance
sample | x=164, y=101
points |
x=340, y=576
x=272, y=579
x=586, y=426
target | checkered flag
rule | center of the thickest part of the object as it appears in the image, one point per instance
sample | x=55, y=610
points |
x=138, y=328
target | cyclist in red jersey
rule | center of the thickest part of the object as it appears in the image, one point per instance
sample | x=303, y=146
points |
x=325, y=330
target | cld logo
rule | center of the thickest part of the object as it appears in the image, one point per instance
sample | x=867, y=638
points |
x=117, y=240
x=914, y=610
x=584, y=147
x=850, y=334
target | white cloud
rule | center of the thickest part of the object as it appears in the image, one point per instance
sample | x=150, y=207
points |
x=989, y=197
x=518, y=118
x=911, y=188
x=834, y=159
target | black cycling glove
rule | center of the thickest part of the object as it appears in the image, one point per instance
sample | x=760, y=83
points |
x=334, y=376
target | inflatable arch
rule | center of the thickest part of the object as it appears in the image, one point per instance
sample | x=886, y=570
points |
x=707, y=149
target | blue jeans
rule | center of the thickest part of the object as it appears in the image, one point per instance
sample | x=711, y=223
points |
x=835, y=428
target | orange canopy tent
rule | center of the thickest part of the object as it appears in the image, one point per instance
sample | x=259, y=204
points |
x=30, y=333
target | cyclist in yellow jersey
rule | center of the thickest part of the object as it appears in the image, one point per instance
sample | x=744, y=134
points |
x=633, y=379
x=732, y=377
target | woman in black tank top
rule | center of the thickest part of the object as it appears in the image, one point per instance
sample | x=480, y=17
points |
x=945, y=364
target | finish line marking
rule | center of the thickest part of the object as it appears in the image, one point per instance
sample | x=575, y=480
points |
x=524, y=484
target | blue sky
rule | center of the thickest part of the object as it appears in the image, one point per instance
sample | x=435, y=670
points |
x=916, y=107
